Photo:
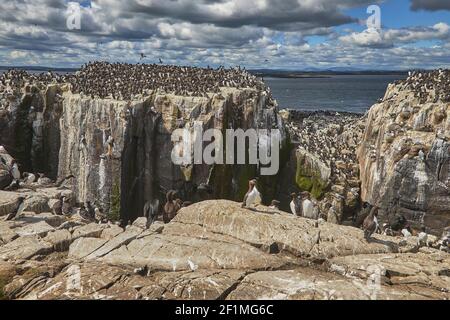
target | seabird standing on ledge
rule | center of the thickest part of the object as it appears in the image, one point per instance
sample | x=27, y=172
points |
x=151, y=211
x=275, y=204
x=15, y=170
x=28, y=178
x=252, y=196
x=43, y=180
x=370, y=224
x=66, y=207
x=57, y=207
x=296, y=205
x=18, y=208
x=169, y=207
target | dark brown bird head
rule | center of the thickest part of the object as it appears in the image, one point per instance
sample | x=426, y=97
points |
x=275, y=203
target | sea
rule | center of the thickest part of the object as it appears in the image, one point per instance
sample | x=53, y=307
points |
x=349, y=93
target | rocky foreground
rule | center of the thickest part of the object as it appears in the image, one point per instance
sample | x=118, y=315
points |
x=211, y=250
x=113, y=149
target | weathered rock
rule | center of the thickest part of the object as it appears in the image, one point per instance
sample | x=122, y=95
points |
x=8, y=201
x=82, y=247
x=121, y=239
x=36, y=203
x=7, y=273
x=293, y=235
x=60, y=239
x=31, y=217
x=140, y=223
x=34, y=275
x=176, y=250
x=111, y=232
x=5, y=177
x=218, y=250
x=304, y=284
x=419, y=270
x=25, y=248
x=199, y=285
x=92, y=230
x=7, y=234
x=411, y=174
x=40, y=229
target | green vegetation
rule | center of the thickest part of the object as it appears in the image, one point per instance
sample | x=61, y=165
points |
x=311, y=183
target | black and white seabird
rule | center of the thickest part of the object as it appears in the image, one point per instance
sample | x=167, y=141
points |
x=151, y=211
x=370, y=224
x=252, y=197
x=17, y=209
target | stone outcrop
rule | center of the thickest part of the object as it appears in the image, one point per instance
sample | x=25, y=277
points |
x=324, y=160
x=63, y=134
x=404, y=156
x=217, y=250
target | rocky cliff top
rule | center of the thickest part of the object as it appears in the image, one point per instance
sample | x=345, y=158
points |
x=123, y=81
x=404, y=154
x=431, y=86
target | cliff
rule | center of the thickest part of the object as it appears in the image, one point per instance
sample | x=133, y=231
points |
x=404, y=156
x=49, y=128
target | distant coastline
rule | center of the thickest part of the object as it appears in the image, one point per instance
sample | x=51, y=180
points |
x=285, y=74
x=272, y=73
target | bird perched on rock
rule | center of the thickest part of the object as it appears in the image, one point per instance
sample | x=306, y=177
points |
x=252, y=197
x=406, y=232
x=398, y=222
x=296, y=205
x=170, y=208
x=387, y=231
x=275, y=204
x=43, y=180
x=57, y=207
x=422, y=237
x=100, y=216
x=151, y=211
x=17, y=209
x=186, y=204
x=421, y=155
x=29, y=178
x=15, y=185
x=370, y=224
x=66, y=206
x=15, y=173
x=84, y=213
x=308, y=208
x=90, y=210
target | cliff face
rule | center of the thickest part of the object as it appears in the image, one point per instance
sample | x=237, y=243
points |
x=325, y=161
x=404, y=156
x=70, y=132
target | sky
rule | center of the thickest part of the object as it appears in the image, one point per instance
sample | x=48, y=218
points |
x=275, y=34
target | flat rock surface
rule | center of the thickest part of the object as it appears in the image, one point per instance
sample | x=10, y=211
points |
x=215, y=250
